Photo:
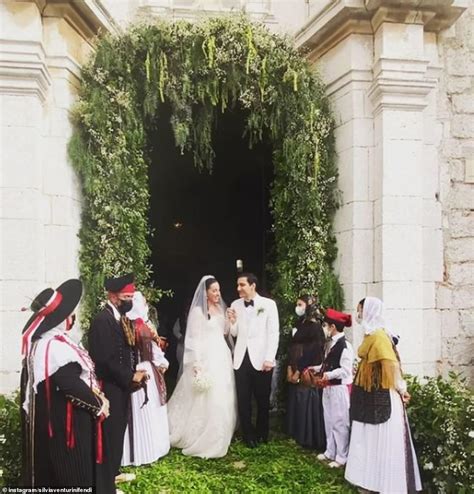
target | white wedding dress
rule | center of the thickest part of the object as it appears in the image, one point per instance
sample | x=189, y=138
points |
x=202, y=421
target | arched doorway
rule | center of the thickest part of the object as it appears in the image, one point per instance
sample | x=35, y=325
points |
x=200, y=72
x=205, y=221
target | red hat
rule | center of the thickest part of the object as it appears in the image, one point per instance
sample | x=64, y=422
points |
x=332, y=316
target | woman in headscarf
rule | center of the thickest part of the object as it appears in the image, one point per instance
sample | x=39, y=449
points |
x=305, y=421
x=147, y=435
x=381, y=454
x=61, y=401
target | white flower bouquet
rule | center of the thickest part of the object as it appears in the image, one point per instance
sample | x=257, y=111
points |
x=202, y=381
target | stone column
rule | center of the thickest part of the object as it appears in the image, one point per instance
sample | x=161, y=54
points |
x=379, y=59
x=42, y=47
x=24, y=87
x=399, y=96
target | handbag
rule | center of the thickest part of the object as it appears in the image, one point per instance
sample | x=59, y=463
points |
x=370, y=407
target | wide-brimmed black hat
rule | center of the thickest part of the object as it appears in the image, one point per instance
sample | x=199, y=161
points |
x=71, y=292
x=36, y=305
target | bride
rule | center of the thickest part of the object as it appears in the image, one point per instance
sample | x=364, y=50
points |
x=202, y=412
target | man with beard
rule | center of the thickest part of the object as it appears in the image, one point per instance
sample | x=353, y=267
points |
x=112, y=348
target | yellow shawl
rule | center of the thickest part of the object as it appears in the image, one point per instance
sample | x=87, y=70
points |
x=379, y=367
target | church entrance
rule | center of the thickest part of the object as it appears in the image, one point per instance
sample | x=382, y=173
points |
x=205, y=222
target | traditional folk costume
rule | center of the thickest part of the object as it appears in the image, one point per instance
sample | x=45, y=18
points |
x=305, y=422
x=147, y=436
x=381, y=453
x=112, y=348
x=336, y=372
x=61, y=402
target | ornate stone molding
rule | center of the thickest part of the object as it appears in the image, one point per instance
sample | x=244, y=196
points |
x=23, y=69
x=257, y=10
x=337, y=19
x=88, y=17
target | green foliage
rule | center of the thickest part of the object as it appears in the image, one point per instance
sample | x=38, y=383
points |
x=10, y=440
x=441, y=414
x=280, y=466
x=201, y=69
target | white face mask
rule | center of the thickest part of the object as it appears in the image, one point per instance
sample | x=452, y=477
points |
x=300, y=311
x=359, y=319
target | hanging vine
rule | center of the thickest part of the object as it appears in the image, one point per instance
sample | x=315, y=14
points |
x=200, y=69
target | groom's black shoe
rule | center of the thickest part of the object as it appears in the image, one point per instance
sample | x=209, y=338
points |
x=250, y=443
x=262, y=440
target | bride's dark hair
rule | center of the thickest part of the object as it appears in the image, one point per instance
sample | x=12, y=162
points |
x=209, y=282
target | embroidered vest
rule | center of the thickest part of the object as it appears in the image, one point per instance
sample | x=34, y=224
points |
x=333, y=358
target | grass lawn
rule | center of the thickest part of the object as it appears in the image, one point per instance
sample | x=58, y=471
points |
x=280, y=466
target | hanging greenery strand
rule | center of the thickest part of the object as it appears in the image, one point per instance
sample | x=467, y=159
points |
x=199, y=69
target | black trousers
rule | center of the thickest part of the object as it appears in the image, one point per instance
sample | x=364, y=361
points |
x=253, y=383
x=113, y=432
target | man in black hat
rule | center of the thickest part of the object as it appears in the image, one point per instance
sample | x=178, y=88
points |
x=60, y=396
x=112, y=348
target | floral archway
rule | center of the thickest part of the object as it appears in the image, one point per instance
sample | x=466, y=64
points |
x=200, y=70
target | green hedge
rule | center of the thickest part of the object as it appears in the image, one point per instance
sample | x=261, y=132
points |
x=441, y=414
x=10, y=440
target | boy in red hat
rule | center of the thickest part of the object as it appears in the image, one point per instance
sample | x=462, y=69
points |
x=336, y=379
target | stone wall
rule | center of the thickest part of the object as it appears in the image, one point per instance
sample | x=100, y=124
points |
x=42, y=48
x=455, y=111
x=381, y=61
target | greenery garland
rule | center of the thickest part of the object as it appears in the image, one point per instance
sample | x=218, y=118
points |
x=199, y=70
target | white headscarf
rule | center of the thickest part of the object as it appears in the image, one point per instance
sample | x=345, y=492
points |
x=372, y=318
x=139, y=309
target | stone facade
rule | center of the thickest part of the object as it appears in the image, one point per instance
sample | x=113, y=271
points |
x=400, y=75
x=455, y=112
x=42, y=47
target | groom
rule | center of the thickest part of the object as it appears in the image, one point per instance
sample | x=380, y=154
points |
x=254, y=321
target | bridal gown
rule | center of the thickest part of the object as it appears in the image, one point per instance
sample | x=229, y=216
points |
x=202, y=422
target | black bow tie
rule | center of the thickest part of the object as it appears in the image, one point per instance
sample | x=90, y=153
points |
x=250, y=302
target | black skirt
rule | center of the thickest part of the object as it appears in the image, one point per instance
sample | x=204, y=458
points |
x=305, y=421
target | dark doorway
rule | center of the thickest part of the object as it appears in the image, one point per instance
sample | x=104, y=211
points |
x=204, y=222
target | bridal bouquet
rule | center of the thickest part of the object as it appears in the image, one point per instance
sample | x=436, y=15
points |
x=201, y=381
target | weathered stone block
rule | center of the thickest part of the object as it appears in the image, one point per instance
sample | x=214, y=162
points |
x=462, y=126
x=452, y=148
x=444, y=297
x=461, y=223
x=461, y=274
x=449, y=323
x=462, y=196
x=467, y=322
x=463, y=103
x=463, y=298
x=460, y=62
x=460, y=249
x=458, y=84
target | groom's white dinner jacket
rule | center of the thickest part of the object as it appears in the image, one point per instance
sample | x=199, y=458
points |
x=257, y=330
